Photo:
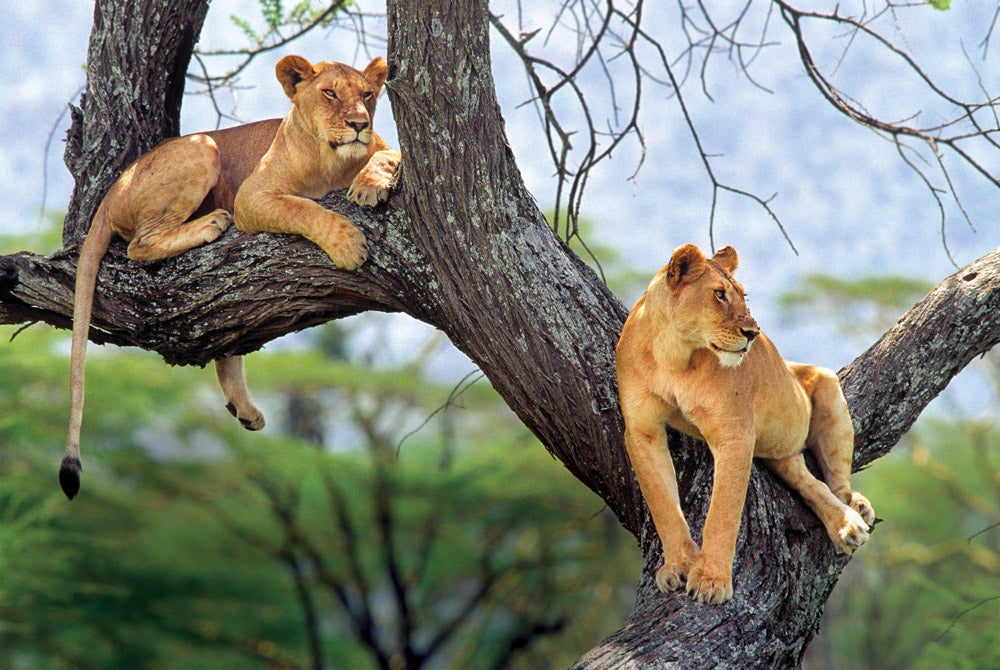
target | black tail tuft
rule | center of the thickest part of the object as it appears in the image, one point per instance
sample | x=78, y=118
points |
x=69, y=476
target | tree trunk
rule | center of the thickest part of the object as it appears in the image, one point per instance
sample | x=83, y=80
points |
x=136, y=64
x=462, y=246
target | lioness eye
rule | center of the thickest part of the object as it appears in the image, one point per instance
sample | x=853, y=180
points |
x=329, y=94
x=720, y=295
x=367, y=95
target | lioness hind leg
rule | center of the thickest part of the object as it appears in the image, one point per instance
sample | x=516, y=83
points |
x=166, y=239
x=831, y=435
x=234, y=388
x=845, y=526
x=161, y=191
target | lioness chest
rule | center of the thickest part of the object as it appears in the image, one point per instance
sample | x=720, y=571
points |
x=758, y=401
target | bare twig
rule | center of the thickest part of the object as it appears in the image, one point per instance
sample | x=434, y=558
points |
x=963, y=613
x=964, y=126
x=601, y=28
x=270, y=41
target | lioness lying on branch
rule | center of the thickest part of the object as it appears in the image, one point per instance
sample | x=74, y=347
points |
x=691, y=357
x=188, y=190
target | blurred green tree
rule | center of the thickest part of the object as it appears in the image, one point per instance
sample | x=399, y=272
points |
x=196, y=550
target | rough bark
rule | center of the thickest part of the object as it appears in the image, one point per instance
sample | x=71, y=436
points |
x=463, y=247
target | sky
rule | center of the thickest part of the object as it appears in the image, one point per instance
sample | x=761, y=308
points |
x=849, y=204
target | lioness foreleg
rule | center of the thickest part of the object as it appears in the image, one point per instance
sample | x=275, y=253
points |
x=234, y=387
x=654, y=469
x=264, y=212
x=711, y=577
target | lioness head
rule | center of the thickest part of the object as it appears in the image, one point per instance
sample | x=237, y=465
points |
x=335, y=101
x=707, y=306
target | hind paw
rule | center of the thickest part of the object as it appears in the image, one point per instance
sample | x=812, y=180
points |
x=850, y=533
x=860, y=504
x=250, y=417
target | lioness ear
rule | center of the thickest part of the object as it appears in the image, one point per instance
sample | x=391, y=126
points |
x=376, y=72
x=727, y=259
x=687, y=263
x=293, y=70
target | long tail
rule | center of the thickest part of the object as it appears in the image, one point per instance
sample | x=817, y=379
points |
x=91, y=253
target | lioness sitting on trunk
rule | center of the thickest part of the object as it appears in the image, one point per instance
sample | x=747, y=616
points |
x=187, y=191
x=690, y=356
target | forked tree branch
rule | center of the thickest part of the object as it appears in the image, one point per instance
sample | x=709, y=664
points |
x=894, y=380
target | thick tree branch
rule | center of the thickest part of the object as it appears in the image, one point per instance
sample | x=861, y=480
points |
x=229, y=297
x=890, y=384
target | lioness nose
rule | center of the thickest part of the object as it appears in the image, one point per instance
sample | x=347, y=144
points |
x=358, y=125
x=749, y=334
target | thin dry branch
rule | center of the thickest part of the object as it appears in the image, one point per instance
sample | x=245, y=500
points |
x=613, y=32
x=950, y=134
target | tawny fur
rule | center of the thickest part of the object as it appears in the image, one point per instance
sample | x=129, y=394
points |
x=187, y=191
x=692, y=357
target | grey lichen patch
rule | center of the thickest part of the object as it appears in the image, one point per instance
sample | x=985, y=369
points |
x=437, y=28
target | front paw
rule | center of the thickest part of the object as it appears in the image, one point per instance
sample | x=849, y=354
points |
x=373, y=184
x=674, y=572
x=347, y=249
x=710, y=584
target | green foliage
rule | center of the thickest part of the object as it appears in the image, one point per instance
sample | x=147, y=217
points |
x=299, y=19
x=940, y=4
x=47, y=239
x=923, y=593
x=189, y=539
x=858, y=306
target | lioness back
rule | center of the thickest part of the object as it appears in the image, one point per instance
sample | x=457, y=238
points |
x=240, y=148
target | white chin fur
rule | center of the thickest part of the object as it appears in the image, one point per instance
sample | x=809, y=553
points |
x=729, y=359
x=352, y=150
